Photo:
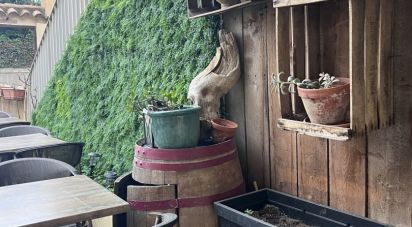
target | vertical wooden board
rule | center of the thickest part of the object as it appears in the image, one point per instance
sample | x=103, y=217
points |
x=389, y=150
x=313, y=169
x=14, y=107
x=235, y=99
x=297, y=51
x=356, y=66
x=334, y=37
x=282, y=55
x=312, y=41
x=255, y=71
x=371, y=62
x=347, y=171
x=312, y=152
x=347, y=165
x=385, y=66
x=282, y=155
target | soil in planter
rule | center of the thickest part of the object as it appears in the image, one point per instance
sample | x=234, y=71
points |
x=273, y=215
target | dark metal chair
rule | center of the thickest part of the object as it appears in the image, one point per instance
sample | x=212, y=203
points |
x=4, y=114
x=18, y=130
x=27, y=170
x=165, y=219
x=70, y=153
x=120, y=189
x=6, y=156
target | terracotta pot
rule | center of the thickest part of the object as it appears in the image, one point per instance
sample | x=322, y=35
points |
x=227, y=3
x=223, y=129
x=328, y=105
x=13, y=93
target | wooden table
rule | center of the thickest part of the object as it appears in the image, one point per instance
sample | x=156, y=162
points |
x=15, y=143
x=11, y=121
x=57, y=202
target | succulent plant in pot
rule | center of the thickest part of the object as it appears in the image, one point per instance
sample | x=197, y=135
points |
x=326, y=100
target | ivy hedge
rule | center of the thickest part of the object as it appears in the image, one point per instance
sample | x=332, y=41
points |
x=17, y=46
x=22, y=2
x=120, y=50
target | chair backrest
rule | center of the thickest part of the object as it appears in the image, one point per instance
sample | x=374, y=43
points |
x=18, y=130
x=26, y=170
x=4, y=115
x=70, y=153
x=6, y=156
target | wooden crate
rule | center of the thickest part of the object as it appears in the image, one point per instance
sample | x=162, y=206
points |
x=202, y=8
x=348, y=38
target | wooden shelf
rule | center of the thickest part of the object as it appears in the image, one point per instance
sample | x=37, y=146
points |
x=285, y=3
x=213, y=8
x=317, y=130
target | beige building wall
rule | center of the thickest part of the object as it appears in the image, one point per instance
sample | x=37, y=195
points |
x=41, y=27
x=48, y=6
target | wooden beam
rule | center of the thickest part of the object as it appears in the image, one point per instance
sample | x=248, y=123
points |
x=209, y=10
x=255, y=72
x=235, y=99
x=312, y=151
x=317, y=130
x=282, y=159
x=285, y=3
x=312, y=42
x=385, y=66
x=282, y=55
x=371, y=63
x=297, y=52
x=356, y=67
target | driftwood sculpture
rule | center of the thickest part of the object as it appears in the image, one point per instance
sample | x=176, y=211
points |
x=218, y=78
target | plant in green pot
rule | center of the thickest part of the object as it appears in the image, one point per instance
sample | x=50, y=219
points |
x=326, y=100
x=170, y=125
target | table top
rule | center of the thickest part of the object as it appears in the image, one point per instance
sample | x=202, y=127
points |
x=57, y=202
x=11, y=121
x=14, y=143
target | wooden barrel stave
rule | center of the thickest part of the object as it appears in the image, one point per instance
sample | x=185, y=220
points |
x=213, y=177
x=147, y=194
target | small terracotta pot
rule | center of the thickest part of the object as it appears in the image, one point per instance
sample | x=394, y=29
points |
x=13, y=93
x=223, y=129
x=227, y=3
x=327, y=105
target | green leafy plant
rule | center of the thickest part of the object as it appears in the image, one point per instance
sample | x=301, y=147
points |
x=249, y=211
x=153, y=101
x=324, y=81
x=121, y=51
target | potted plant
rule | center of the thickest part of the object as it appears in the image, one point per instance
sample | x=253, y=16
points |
x=170, y=125
x=223, y=129
x=326, y=100
x=271, y=208
x=13, y=93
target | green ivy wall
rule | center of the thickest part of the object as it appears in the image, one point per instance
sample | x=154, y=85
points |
x=17, y=46
x=120, y=50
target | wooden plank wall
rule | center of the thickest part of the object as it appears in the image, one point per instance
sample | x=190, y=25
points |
x=370, y=175
x=13, y=107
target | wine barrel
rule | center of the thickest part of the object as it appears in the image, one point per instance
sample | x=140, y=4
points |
x=201, y=176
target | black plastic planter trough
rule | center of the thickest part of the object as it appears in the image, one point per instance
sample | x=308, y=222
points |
x=231, y=211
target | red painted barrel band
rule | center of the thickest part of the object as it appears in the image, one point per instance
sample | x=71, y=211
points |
x=185, y=202
x=184, y=153
x=185, y=166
